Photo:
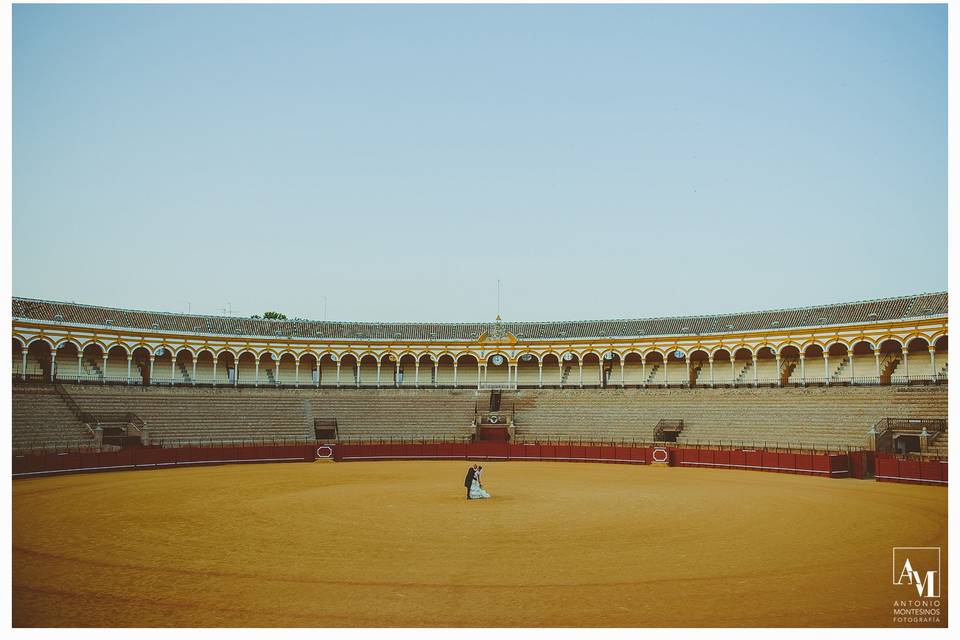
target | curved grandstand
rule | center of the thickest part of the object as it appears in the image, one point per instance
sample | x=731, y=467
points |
x=813, y=376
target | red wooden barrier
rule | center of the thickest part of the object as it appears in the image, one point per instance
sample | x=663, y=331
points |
x=892, y=469
x=53, y=463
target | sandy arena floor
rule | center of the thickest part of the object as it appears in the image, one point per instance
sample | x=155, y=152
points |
x=396, y=544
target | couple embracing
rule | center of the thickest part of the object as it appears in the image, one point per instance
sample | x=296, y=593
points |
x=473, y=484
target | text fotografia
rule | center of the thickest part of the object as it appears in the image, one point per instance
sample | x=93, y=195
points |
x=916, y=611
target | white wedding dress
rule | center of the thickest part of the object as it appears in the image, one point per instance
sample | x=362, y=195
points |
x=476, y=491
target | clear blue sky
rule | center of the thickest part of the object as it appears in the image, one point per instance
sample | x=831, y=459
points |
x=604, y=162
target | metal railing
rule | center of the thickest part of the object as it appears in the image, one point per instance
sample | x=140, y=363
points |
x=794, y=381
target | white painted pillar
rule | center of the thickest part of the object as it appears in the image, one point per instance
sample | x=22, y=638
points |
x=643, y=370
x=687, y=362
x=277, y=373
x=561, y=373
x=194, y=380
x=256, y=372
x=80, y=365
x=338, y=374
x=173, y=368
x=53, y=365
x=296, y=374
x=826, y=366
x=454, y=374
x=396, y=374
x=803, y=373
x=416, y=374
x=710, y=360
x=755, y=372
x=540, y=373
x=850, y=356
x=358, y=374
x=733, y=369
x=23, y=365
x=779, y=375
x=876, y=359
x=580, y=367
x=215, y=358
x=379, y=364
x=906, y=363
x=623, y=378
x=933, y=362
x=601, y=371
x=436, y=373
x=151, y=369
x=129, y=367
x=479, y=377
x=236, y=371
x=666, y=374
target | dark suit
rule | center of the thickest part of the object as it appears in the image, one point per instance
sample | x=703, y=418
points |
x=469, y=480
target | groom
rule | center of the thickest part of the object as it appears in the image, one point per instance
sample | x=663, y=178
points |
x=469, y=479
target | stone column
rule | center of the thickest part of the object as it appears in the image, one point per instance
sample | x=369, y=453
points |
x=358, y=374
x=215, y=358
x=378, y=373
x=396, y=374
x=850, y=356
x=803, y=373
x=194, y=380
x=687, y=363
x=23, y=364
x=755, y=372
x=561, y=372
x=416, y=374
x=623, y=378
x=454, y=374
x=129, y=366
x=256, y=372
x=906, y=363
x=53, y=365
x=580, y=367
x=277, y=373
x=236, y=371
x=436, y=373
x=876, y=358
x=296, y=374
x=173, y=367
x=643, y=370
x=933, y=362
x=826, y=367
x=779, y=375
x=710, y=360
x=540, y=374
x=151, y=369
x=338, y=373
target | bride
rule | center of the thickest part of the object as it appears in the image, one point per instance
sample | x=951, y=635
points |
x=476, y=489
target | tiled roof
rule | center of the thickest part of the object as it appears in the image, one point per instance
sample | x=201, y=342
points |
x=918, y=306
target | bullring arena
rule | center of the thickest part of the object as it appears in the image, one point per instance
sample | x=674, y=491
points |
x=751, y=469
